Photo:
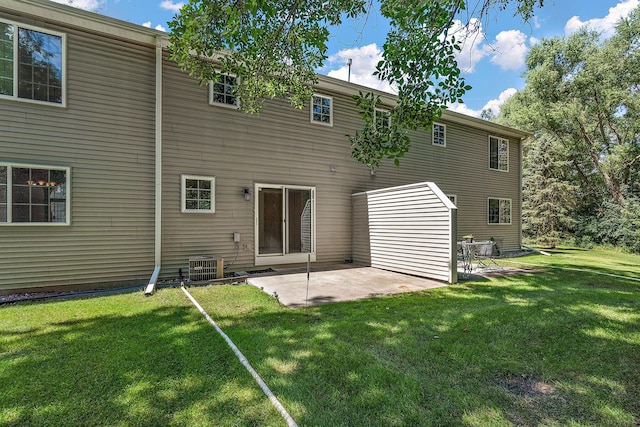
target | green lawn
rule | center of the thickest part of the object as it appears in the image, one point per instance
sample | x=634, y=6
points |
x=552, y=347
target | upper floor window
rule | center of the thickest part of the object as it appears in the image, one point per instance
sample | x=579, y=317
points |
x=498, y=154
x=31, y=63
x=198, y=194
x=33, y=194
x=499, y=211
x=382, y=118
x=322, y=110
x=439, y=134
x=221, y=91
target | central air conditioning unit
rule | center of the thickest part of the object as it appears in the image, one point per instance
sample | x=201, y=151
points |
x=205, y=268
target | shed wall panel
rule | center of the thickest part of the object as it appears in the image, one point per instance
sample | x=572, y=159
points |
x=418, y=242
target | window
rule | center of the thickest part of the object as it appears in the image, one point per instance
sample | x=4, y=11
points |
x=499, y=211
x=439, y=135
x=322, y=110
x=33, y=194
x=198, y=194
x=221, y=92
x=453, y=198
x=498, y=154
x=382, y=118
x=31, y=64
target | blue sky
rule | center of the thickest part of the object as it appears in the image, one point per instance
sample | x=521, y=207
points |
x=492, y=58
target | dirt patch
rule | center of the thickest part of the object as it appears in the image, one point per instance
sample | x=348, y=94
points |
x=527, y=387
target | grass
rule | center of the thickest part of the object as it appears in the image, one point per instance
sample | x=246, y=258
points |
x=553, y=347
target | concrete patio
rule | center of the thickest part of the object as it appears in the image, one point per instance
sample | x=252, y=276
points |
x=339, y=283
x=348, y=282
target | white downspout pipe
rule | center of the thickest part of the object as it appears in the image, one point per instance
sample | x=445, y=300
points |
x=158, y=172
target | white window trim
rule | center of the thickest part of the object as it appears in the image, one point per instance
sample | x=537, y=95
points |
x=183, y=195
x=330, y=98
x=63, y=37
x=222, y=104
x=284, y=258
x=433, y=130
x=10, y=195
x=489, y=152
x=510, y=211
x=382, y=110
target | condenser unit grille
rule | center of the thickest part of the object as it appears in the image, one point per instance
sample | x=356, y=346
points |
x=205, y=268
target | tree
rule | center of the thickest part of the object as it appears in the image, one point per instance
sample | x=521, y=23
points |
x=581, y=101
x=275, y=47
x=550, y=198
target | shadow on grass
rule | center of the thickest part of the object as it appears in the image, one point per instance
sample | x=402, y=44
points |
x=158, y=366
x=525, y=350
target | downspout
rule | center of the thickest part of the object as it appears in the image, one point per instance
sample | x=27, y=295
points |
x=158, y=172
x=520, y=191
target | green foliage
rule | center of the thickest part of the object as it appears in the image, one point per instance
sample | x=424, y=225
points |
x=549, y=198
x=582, y=103
x=377, y=141
x=274, y=49
x=613, y=226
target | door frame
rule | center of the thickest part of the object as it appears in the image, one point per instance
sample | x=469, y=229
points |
x=283, y=258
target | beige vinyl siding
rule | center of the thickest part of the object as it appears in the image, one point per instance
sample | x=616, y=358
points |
x=106, y=136
x=462, y=168
x=281, y=146
x=411, y=229
x=361, y=239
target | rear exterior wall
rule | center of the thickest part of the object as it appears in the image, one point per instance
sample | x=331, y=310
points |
x=282, y=146
x=105, y=134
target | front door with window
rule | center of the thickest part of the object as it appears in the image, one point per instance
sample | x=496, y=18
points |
x=285, y=224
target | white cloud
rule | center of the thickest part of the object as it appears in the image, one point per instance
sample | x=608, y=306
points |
x=509, y=49
x=157, y=27
x=494, y=104
x=91, y=5
x=364, y=60
x=472, y=38
x=171, y=5
x=536, y=22
x=463, y=109
x=605, y=25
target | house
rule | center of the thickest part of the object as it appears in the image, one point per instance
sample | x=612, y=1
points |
x=118, y=168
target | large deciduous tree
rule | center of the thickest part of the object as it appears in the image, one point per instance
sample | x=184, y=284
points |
x=582, y=102
x=274, y=47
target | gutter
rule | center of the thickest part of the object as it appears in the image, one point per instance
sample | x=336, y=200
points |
x=158, y=172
